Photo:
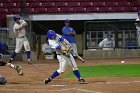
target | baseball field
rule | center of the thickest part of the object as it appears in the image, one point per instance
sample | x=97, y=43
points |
x=103, y=76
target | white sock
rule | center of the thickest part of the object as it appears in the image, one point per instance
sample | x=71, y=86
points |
x=11, y=58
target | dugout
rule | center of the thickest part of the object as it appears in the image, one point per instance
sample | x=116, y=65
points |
x=124, y=33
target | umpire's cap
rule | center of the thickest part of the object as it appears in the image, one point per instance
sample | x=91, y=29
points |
x=16, y=17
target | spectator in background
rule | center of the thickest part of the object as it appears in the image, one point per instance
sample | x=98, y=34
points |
x=138, y=28
x=47, y=50
x=69, y=34
x=107, y=43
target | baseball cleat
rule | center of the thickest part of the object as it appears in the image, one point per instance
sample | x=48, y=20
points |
x=46, y=81
x=82, y=81
x=19, y=70
x=10, y=61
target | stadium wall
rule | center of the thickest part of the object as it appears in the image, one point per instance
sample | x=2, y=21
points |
x=118, y=53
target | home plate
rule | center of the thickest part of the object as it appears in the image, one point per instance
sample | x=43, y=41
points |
x=58, y=85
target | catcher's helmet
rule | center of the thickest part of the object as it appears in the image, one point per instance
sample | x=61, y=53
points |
x=51, y=34
x=16, y=17
x=3, y=80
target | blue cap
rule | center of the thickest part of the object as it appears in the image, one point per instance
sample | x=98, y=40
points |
x=67, y=21
x=51, y=34
x=109, y=33
x=16, y=17
x=138, y=12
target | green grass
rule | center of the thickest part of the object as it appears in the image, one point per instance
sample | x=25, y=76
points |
x=122, y=70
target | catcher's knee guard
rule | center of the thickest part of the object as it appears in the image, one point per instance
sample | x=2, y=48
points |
x=3, y=80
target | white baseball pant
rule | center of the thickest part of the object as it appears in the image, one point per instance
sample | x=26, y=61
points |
x=20, y=42
x=64, y=61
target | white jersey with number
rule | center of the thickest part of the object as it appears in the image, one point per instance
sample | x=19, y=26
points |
x=22, y=32
x=107, y=44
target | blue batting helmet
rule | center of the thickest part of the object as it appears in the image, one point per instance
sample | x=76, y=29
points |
x=16, y=17
x=51, y=34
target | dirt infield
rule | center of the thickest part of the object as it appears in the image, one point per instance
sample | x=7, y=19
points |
x=32, y=81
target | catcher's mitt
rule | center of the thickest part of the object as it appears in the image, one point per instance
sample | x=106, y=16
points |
x=19, y=70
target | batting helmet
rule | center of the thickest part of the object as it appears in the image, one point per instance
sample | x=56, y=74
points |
x=16, y=17
x=3, y=80
x=51, y=34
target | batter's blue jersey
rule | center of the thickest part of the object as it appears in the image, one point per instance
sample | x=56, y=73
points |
x=65, y=30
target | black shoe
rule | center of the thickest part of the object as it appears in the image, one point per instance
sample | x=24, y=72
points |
x=46, y=81
x=82, y=81
x=10, y=61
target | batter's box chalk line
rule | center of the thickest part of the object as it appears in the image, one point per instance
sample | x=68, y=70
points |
x=78, y=89
x=58, y=85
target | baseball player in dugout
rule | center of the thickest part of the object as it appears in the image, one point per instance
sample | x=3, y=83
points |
x=62, y=48
x=19, y=29
x=107, y=43
x=138, y=28
x=69, y=34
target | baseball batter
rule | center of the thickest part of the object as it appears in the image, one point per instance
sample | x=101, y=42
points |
x=20, y=33
x=63, y=48
x=17, y=68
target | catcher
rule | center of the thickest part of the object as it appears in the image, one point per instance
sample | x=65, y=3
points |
x=63, y=48
x=16, y=67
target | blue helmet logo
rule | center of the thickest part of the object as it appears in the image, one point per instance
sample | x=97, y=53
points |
x=16, y=17
x=51, y=34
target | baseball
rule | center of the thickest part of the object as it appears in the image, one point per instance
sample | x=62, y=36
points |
x=122, y=62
